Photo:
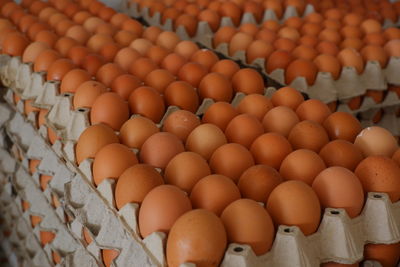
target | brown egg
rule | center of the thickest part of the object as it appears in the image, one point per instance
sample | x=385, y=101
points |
x=205, y=57
x=249, y=28
x=86, y=93
x=338, y=181
x=258, y=181
x=312, y=29
x=243, y=129
x=151, y=33
x=239, y=42
x=81, y=16
x=125, y=57
x=109, y=51
x=328, y=63
x=214, y=193
x=380, y=174
x=287, y=96
x=220, y=114
x=159, y=79
x=302, y=165
x=371, y=26
x=301, y=68
x=376, y=53
x=181, y=123
x=188, y=22
x=157, y=54
x=92, y=23
x=313, y=110
x=92, y=63
x=32, y=51
x=186, y=48
x=47, y=37
x=392, y=48
x=342, y=125
x=248, y=81
x=135, y=131
x=77, y=54
x=376, y=141
x=192, y=73
x=229, y=9
x=392, y=33
x=225, y=67
x=278, y=60
x=124, y=38
x=106, y=28
x=331, y=24
x=308, y=40
x=215, y=86
x=211, y=17
x=111, y=109
x=118, y=18
x=78, y=33
x=258, y=49
x=182, y=95
x=111, y=161
x=341, y=153
x=173, y=62
x=124, y=85
x=97, y=41
x=46, y=236
x=295, y=203
x=141, y=45
x=14, y=44
x=246, y=222
x=63, y=26
x=73, y=79
x=351, y=58
x=64, y=44
x=135, y=183
x=35, y=28
x=352, y=19
x=209, y=233
x=351, y=32
x=141, y=67
x=309, y=135
x=133, y=26
x=26, y=22
x=304, y=52
x=168, y=40
x=266, y=35
x=396, y=156
x=224, y=35
x=108, y=73
x=284, y=44
x=289, y=33
x=280, y=119
x=147, y=102
x=255, y=105
x=170, y=13
x=58, y=69
x=375, y=38
x=329, y=48
x=386, y=254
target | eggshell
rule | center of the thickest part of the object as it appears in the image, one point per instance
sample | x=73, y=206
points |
x=125, y=57
x=111, y=161
x=141, y=67
x=301, y=68
x=258, y=181
x=280, y=119
x=386, y=254
x=295, y=203
x=78, y=33
x=215, y=86
x=376, y=53
x=109, y=108
x=108, y=256
x=326, y=47
x=141, y=45
x=181, y=123
x=328, y=63
x=192, y=73
x=256, y=105
x=214, y=193
x=205, y=139
x=246, y=222
x=220, y=114
x=266, y=35
x=225, y=67
x=77, y=54
x=160, y=148
x=380, y=174
x=58, y=69
x=107, y=73
x=118, y=18
x=186, y=48
x=313, y=110
x=135, y=131
x=278, y=59
x=205, y=57
x=124, y=85
x=287, y=96
x=182, y=95
x=109, y=51
x=97, y=41
x=248, y=28
x=73, y=79
x=159, y=79
x=211, y=17
x=134, y=184
x=231, y=160
x=342, y=125
x=147, y=102
x=248, y=81
x=285, y=44
x=308, y=134
x=396, y=156
x=14, y=44
x=370, y=26
x=341, y=153
x=64, y=44
x=168, y=40
x=392, y=48
x=151, y=33
x=239, y=42
x=124, y=38
x=160, y=208
x=173, y=62
x=349, y=57
x=32, y=51
x=243, y=129
x=198, y=237
x=86, y=94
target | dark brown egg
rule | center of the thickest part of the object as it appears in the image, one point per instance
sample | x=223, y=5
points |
x=342, y=125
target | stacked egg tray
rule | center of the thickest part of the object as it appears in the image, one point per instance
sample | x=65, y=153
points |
x=349, y=85
x=86, y=221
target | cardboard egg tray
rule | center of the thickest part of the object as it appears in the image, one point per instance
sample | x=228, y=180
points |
x=92, y=210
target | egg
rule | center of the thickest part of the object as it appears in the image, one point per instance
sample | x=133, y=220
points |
x=248, y=81
x=125, y=84
x=341, y=153
x=111, y=161
x=108, y=256
x=266, y=35
x=342, y=125
x=97, y=41
x=301, y=68
x=81, y=16
x=280, y=119
x=44, y=181
x=90, y=24
x=312, y=29
x=86, y=94
x=349, y=57
x=375, y=39
x=192, y=73
x=195, y=229
x=135, y=131
x=386, y=254
x=239, y=42
x=186, y=49
x=314, y=110
x=308, y=40
x=58, y=69
x=376, y=141
x=118, y=18
x=224, y=35
x=168, y=40
x=309, y=135
x=14, y=44
x=32, y=51
x=189, y=23
x=205, y=139
x=380, y=174
x=73, y=79
x=109, y=51
x=248, y=28
x=124, y=38
x=246, y=222
x=278, y=59
x=107, y=73
x=396, y=156
x=160, y=208
x=392, y=48
x=243, y=129
x=157, y=54
x=181, y=123
x=371, y=26
x=285, y=44
x=220, y=114
x=147, y=102
x=46, y=237
x=141, y=67
x=111, y=109
x=64, y=44
x=295, y=203
x=215, y=86
x=173, y=62
x=258, y=181
x=328, y=63
x=256, y=105
x=77, y=54
x=125, y=57
x=204, y=57
x=214, y=193
x=230, y=9
x=376, y=53
x=211, y=17
x=135, y=183
x=326, y=47
x=338, y=187
x=287, y=96
x=151, y=33
x=185, y=170
x=182, y=95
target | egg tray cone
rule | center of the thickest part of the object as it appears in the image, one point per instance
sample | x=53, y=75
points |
x=338, y=238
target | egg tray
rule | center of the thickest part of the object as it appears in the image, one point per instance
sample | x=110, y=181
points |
x=389, y=120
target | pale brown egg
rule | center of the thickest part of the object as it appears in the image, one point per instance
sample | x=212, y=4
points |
x=338, y=181
x=256, y=105
x=280, y=119
x=309, y=135
x=125, y=57
x=209, y=233
x=295, y=203
x=168, y=40
x=135, y=131
x=341, y=153
x=376, y=141
x=380, y=174
x=205, y=139
x=258, y=49
x=73, y=79
x=135, y=183
x=287, y=96
x=111, y=109
x=301, y=68
x=239, y=42
x=33, y=50
x=86, y=93
x=181, y=123
x=314, y=110
x=124, y=85
x=147, y=102
x=342, y=125
x=243, y=129
x=258, y=181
